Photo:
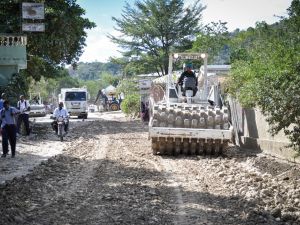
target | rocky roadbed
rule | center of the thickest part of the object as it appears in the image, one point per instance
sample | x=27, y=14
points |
x=105, y=173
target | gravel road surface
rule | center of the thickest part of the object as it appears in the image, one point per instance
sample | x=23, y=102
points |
x=105, y=173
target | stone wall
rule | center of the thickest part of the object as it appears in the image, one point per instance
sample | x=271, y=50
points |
x=252, y=131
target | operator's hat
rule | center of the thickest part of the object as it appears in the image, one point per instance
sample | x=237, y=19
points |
x=189, y=66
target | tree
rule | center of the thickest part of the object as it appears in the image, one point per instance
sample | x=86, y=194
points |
x=91, y=71
x=50, y=87
x=93, y=86
x=108, y=79
x=268, y=76
x=128, y=87
x=152, y=28
x=214, y=40
x=19, y=85
x=62, y=42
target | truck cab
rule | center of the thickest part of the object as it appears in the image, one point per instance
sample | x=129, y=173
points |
x=75, y=101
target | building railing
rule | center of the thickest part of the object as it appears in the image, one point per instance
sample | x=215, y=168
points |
x=12, y=40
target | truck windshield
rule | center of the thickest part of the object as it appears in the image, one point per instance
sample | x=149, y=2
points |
x=75, y=96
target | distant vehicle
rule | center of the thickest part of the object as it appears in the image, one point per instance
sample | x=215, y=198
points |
x=37, y=108
x=75, y=101
x=108, y=99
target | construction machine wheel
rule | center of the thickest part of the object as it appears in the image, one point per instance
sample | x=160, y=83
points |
x=154, y=146
x=208, y=148
x=193, y=147
x=217, y=147
x=177, y=147
x=224, y=146
x=114, y=106
x=200, y=149
x=175, y=116
x=169, y=147
x=185, y=147
x=162, y=146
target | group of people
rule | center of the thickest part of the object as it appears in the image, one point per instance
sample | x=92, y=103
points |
x=10, y=121
x=12, y=118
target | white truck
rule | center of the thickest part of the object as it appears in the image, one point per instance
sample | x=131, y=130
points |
x=75, y=101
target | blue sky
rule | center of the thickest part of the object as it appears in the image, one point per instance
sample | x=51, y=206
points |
x=238, y=13
x=101, y=11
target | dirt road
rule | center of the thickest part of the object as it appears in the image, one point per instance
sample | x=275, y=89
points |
x=105, y=173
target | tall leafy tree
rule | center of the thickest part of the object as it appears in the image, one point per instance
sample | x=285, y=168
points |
x=91, y=71
x=152, y=28
x=62, y=42
x=214, y=39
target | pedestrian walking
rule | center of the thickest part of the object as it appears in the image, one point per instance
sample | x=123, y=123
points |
x=24, y=107
x=8, y=128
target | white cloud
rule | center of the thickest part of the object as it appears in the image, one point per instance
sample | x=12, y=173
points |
x=99, y=46
x=244, y=13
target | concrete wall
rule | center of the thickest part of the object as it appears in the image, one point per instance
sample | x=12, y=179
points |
x=251, y=131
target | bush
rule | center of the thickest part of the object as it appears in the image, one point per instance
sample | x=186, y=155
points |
x=131, y=105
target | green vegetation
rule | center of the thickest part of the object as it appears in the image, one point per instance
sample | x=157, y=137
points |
x=266, y=72
x=214, y=40
x=49, y=88
x=131, y=105
x=91, y=71
x=62, y=43
x=152, y=28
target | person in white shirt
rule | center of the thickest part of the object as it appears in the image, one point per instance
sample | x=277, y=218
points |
x=24, y=107
x=60, y=111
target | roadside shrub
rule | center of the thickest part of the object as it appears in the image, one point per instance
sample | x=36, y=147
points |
x=131, y=105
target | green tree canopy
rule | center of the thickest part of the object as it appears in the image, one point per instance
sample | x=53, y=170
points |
x=91, y=71
x=214, y=40
x=266, y=72
x=62, y=42
x=152, y=28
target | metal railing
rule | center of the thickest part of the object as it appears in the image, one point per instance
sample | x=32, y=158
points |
x=12, y=40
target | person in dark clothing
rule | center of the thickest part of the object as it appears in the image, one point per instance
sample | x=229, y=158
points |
x=8, y=128
x=104, y=100
x=188, y=80
x=24, y=107
x=145, y=112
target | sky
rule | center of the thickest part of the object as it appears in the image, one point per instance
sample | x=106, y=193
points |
x=237, y=13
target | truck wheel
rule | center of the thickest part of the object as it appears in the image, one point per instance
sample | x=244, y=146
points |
x=114, y=107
